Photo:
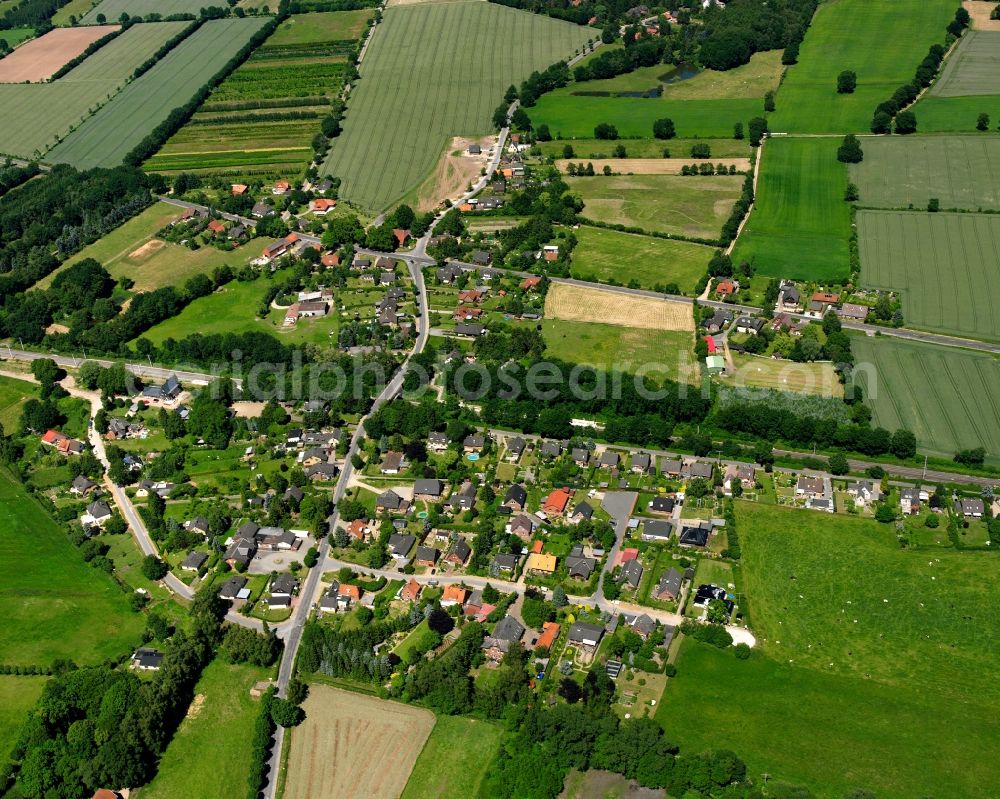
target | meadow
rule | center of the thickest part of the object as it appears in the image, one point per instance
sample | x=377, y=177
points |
x=948, y=397
x=974, y=67
x=852, y=34
x=901, y=171
x=13, y=394
x=55, y=605
x=681, y=205
x=41, y=114
x=905, y=252
x=814, y=377
x=15, y=36
x=106, y=137
x=454, y=760
x=589, y=149
x=113, y=9
x=17, y=696
x=800, y=225
x=955, y=114
x=75, y=9
x=412, y=98
x=603, y=255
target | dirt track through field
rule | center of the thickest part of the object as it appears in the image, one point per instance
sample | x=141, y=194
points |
x=41, y=58
x=650, y=166
x=579, y=304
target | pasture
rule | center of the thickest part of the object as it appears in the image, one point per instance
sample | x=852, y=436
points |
x=413, y=98
x=220, y=720
x=40, y=58
x=113, y=9
x=106, y=137
x=17, y=696
x=800, y=225
x=881, y=40
x=574, y=303
x=13, y=394
x=604, y=255
x=15, y=36
x=941, y=264
x=41, y=114
x=755, y=371
x=352, y=744
x=901, y=171
x=454, y=760
x=948, y=397
x=680, y=205
x=973, y=68
x=55, y=605
x=679, y=149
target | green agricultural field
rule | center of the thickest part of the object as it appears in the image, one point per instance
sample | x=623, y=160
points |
x=956, y=114
x=644, y=148
x=974, y=67
x=221, y=721
x=901, y=171
x=13, y=394
x=676, y=204
x=625, y=348
x=604, y=255
x=905, y=252
x=113, y=9
x=413, y=97
x=74, y=8
x=55, y=605
x=948, y=397
x=800, y=225
x=454, y=760
x=42, y=113
x=106, y=137
x=883, y=41
x=17, y=696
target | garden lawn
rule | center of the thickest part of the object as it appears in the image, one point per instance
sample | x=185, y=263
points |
x=454, y=760
x=604, y=255
x=420, y=637
x=800, y=225
x=13, y=395
x=949, y=398
x=220, y=721
x=55, y=605
x=883, y=41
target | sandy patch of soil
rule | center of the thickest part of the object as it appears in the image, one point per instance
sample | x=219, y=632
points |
x=456, y=169
x=196, y=705
x=147, y=249
x=980, y=12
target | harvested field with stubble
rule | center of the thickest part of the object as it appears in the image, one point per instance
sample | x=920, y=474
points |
x=354, y=745
x=38, y=60
x=583, y=304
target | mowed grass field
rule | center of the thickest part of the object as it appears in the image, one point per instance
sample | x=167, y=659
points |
x=221, y=721
x=55, y=605
x=881, y=40
x=602, y=255
x=755, y=371
x=942, y=265
x=413, y=97
x=949, y=398
x=351, y=744
x=105, y=138
x=682, y=205
x=960, y=171
x=974, y=67
x=955, y=114
x=39, y=114
x=13, y=394
x=17, y=696
x=800, y=226
x=454, y=760
x=113, y=9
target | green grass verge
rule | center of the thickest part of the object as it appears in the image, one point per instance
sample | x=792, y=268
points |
x=454, y=760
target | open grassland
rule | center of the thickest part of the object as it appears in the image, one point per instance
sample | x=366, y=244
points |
x=221, y=721
x=39, y=59
x=74, y=8
x=648, y=166
x=943, y=265
x=40, y=114
x=883, y=41
x=585, y=304
x=974, y=67
x=949, y=398
x=955, y=114
x=13, y=394
x=320, y=28
x=55, y=605
x=113, y=9
x=962, y=172
x=755, y=371
x=106, y=137
x=454, y=760
x=351, y=744
x=15, y=36
x=679, y=149
x=681, y=205
x=800, y=225
x=626, y=349
x=412, y=98
x=604, y=255
x=17, y=696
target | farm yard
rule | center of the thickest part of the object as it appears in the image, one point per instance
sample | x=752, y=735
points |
x=40, y=58
x=605, y=306
x=851, y=34
x=113, y=9
x=106, y=137
x=973, y=69
x=454, y=760
x=413, y=98
x=604, y=255
x=351, y=744
x=946, y=396
x=262, y=119
x=907, y=253
x=800, y=225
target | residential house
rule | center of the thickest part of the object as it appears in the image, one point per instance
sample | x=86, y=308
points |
x=425, y=556
x=747, y=475
x=96, y=515
x=506, y=633
x=460, y=553
x=865, y=491
x=748, y=324
x=583, y=511
x=820, y=302
x=726, y=288
x=216, y=227
x=463, y=499
x=437, y=442
x=662, y=505
x=556, y=502
x=695, y=533
x=551, y=449
x=194, y=561
x=515, y=448
x=361, y=529
x=454, y=595
x=810, y=487
x=474, y=443
x=578, y=565
x=550, y=252
x=241, y=551
x=586, y=635
x=261, y=209
x=789, y=298
x=516, y=498
x=669, y=586
x=522, y=526
x=700, y=470
x=392, y=463
x=671, y=468
x=281, y=187
x=347, y=594
x=284, y=585
x=580, y=456
x=322, y=206
x=659, y=530
x=550, y=633
x=632, y=573
x=428, y=489
x=391, y=501
x=852, y=312
x=540, y=563
x=640, y=463
x=399, y=546
x=475, y=149
x=643, y=625
x=147, y=659
x=470, y=330
x=322, y=472
x=717, y=321
x=970, y=508
x=530, y=283
x=82, y=486
x=411, y=591
x=504, y=562
x=233, y=588
x=609, y=459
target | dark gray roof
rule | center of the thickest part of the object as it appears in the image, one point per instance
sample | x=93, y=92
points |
x=284, y=584
x=553, y=448
x=657, y=528
x=701, y=469
x=147, y=658
x=194, y=561
x=581, y=631
x=695, y=536
x=577, y=565
x=232, y=586
x=461, y=549
x=584, y=510
x=670, y=581
x=517, y=494
x=401, y=544
x=389, y=499
x=505, y=561
x=431, y=487
x=426, y=554
x=508, y=629
x=632, y=572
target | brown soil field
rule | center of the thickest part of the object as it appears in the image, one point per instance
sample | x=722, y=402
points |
x=583, y=304
x=354, y=745
x=454, y=172
x=980, y=13
x=649, y=166
x=147, y=249
x=41, y=58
